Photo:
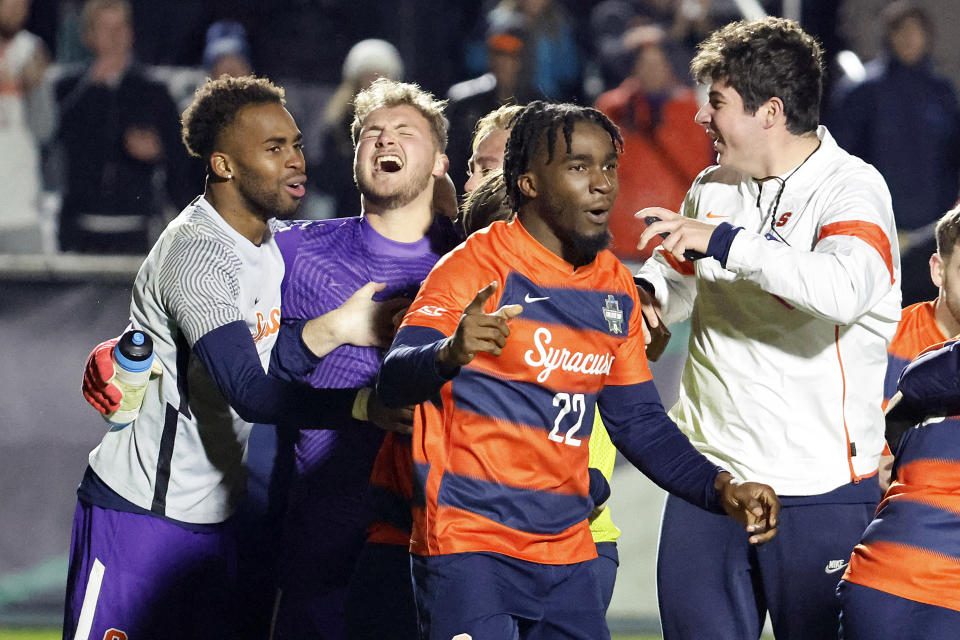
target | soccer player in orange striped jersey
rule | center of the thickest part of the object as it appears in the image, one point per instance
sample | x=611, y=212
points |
x=902, y=572
x=926, y=323
x=903, y=580
x=512, y=341
x=488, y=203
x=934, y=321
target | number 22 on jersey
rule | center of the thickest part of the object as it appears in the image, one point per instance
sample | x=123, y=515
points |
x=568, y=403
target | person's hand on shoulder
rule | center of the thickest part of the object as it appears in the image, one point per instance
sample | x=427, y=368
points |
x=360, y=321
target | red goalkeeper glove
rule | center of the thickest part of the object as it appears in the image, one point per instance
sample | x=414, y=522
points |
x=97, y=391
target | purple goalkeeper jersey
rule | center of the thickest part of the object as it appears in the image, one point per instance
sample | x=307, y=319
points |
x=326, y=262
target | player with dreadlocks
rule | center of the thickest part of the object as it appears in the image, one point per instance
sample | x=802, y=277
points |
x=509, y=379
x=486, y=204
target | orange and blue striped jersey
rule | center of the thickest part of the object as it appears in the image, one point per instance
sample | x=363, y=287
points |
x=500, y=452
x=391, y=488
x=391, y=491
x=911, y=548
x=916, y=331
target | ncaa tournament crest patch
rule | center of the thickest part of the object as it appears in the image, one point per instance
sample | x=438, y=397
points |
x=613, y=315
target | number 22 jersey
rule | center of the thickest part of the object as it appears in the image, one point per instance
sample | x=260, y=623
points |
x=500, y=453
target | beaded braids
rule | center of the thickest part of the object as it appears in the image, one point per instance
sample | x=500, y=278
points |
x=535, y=127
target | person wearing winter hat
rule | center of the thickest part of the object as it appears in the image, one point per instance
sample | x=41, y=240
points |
x=366, y=61
x=227, y=50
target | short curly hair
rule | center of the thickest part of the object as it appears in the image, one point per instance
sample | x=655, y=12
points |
x=766, y=58
x=215, y=106
x=390, y=93
x=537, y=125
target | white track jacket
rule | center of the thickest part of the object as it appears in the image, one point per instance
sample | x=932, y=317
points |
x=787, y=351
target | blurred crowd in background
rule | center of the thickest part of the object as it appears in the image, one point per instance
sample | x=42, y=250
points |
x=91, y=91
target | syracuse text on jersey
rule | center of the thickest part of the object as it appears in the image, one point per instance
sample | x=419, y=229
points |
x=551, y=358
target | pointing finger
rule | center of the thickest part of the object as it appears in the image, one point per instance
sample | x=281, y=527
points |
x=476, y=305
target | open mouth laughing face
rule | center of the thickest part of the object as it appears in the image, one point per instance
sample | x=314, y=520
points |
x=395, y=156
x=733, y=130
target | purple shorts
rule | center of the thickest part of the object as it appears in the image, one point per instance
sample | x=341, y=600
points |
x=136, y=576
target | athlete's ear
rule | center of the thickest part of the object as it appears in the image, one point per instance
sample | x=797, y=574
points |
x=936, y=269
x=771, y=112
x=221, y=166
x=441, y=164
x=527, y=183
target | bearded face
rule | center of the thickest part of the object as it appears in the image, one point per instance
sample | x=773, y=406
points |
x=395, y=156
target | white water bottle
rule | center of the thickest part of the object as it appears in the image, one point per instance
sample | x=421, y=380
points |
x=132, y=361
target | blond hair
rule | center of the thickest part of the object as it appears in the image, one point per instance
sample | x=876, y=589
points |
x=390, y=93
x=497, y=119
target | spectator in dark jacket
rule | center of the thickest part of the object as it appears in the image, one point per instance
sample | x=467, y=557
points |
x=506, y=81
x=119, y=131
x=904, y=120
x=366, y=61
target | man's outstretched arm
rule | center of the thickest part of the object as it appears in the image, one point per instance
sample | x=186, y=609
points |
x=652, y=442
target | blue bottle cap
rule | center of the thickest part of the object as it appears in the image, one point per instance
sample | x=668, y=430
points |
x=135, y=366
x=134, y=351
